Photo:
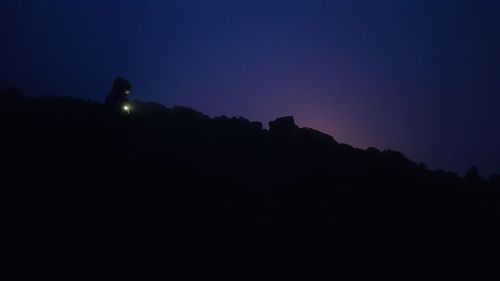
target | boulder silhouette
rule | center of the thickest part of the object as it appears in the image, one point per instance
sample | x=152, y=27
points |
x=284, y=128
x=315, y=136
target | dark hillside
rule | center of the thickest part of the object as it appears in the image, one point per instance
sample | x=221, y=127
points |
x=106, y=194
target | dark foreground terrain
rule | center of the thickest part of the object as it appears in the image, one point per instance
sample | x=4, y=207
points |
x=91, y=193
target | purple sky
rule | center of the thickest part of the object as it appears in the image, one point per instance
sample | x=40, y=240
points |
x=422, y=77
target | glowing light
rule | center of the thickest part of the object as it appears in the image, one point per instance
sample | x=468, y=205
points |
x=127, y=92
x=126, y=108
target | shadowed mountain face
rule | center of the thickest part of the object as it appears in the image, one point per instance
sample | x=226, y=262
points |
x=104, y=194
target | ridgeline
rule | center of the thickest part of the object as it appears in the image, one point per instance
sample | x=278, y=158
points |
x=108, y=193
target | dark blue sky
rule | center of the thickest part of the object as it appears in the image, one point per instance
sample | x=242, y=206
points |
x=422, y=77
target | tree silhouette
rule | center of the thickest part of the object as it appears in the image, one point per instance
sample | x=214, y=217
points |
x=120, y=91
x=472, y=174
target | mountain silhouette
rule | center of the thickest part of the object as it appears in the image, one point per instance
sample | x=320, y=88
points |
x=103, y=193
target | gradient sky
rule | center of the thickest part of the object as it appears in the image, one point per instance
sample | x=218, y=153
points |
x=422, y=77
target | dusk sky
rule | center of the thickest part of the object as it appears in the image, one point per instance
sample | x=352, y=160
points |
x=421, y=77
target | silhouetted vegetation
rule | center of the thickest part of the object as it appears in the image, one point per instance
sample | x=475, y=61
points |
x=118, y=96
x=88, y=189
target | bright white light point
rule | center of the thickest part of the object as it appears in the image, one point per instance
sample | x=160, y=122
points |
x=126, y=108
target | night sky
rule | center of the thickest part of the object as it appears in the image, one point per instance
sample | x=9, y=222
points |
x=422, y=77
